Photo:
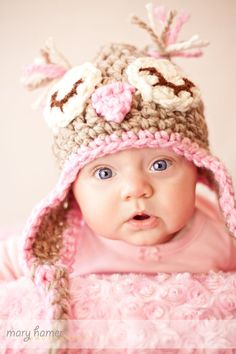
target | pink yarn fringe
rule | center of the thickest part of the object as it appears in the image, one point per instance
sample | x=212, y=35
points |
x=180, y=20
x=160, y=14
x=51, y=71
x=194, y=54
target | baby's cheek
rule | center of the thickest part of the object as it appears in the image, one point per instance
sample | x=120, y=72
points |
x=184, y=213
x=96, y=217
x=176, y=208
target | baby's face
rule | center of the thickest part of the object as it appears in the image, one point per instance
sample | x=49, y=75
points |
x=141, y=196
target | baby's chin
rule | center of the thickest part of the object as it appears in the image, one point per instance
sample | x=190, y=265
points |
x=145, y=240
x=142, y=238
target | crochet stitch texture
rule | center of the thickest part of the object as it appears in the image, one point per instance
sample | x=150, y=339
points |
x=112, y=61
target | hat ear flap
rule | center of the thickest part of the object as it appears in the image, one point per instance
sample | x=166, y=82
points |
x=207, y=178
x=214, y=174
x=48, y=238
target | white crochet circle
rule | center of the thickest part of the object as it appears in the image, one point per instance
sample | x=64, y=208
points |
x=57, y=117
x=162, y=94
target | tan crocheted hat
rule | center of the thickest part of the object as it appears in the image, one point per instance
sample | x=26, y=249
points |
x=126, y=98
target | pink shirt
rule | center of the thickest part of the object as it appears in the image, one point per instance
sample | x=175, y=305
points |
x=203, y=245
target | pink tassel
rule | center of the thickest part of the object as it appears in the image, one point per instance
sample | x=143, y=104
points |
x=153, y=53
x=194, y=54
x=50, y=71
x=160, y=14
x=181, y=19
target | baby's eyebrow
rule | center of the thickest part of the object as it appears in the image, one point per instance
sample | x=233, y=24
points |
x=104, y=160
x=99, y=162
x=96, y=164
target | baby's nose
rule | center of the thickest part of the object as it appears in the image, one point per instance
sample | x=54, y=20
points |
x=136, y=187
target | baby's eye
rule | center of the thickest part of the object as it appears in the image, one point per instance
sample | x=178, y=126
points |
x=160, y=165
x=103, y=173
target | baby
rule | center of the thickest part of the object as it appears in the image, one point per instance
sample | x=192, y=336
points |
x=123, y=235
x=146, y=198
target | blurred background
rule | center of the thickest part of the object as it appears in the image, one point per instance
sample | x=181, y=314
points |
x=79, y=28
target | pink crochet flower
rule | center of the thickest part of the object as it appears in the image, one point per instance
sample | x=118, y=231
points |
x=113, y=101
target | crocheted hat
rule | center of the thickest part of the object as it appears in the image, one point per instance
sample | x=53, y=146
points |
x=126, y=98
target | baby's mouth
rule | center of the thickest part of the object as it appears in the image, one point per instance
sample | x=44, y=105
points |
x=141, y=217
x=142, y=221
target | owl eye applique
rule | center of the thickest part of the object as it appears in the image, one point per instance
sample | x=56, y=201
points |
x=159, y=81
x=67, y=98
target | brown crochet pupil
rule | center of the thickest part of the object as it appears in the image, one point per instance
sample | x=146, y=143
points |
x=60, y=103
x=163, y=82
